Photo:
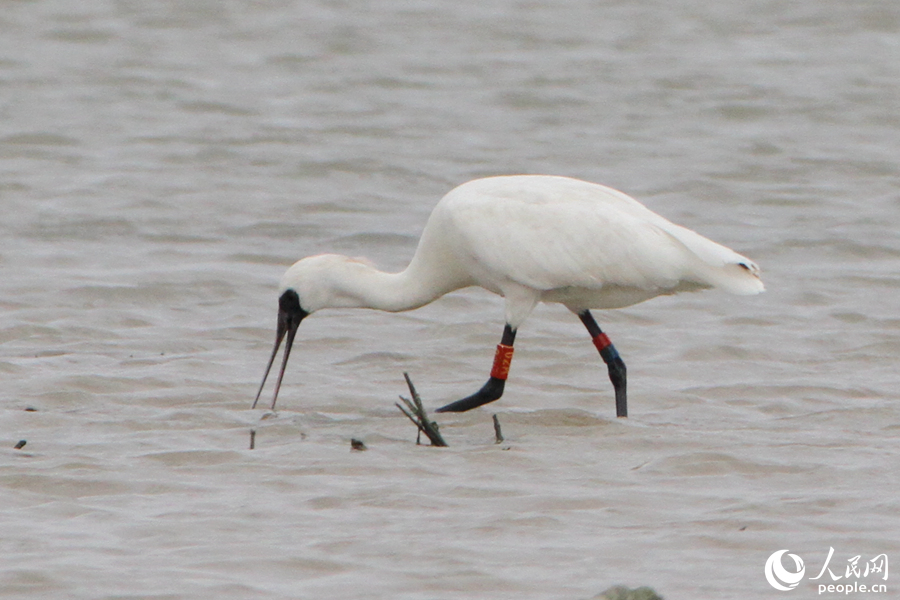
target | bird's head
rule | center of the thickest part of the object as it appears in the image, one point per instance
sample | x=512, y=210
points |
x=309, y=285
x=321, y=281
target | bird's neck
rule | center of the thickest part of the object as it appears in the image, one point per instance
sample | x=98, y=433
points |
x=358, y=285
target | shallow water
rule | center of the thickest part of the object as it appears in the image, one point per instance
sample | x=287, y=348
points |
x=162, y=164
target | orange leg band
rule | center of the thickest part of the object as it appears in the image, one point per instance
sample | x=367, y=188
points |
x=502, y=359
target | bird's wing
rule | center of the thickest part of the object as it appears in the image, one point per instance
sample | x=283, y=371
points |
x=571, y=244
x=554, y=232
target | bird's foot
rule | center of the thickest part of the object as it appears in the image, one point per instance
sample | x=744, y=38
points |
x=492, y=390
x=617, y=376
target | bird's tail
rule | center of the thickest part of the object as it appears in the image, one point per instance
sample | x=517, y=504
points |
x=740, y=278
x=719, y=266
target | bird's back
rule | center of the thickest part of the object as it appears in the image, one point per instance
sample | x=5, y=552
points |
x=565, y=237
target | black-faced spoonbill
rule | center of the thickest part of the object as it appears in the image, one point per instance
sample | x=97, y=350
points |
x=528, y=238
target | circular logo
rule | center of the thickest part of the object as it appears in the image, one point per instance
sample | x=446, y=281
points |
x=779, y=577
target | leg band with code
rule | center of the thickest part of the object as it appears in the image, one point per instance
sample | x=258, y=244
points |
x=502, y=360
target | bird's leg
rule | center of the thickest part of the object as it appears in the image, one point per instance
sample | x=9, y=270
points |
x=493, y=389
x=613, y=361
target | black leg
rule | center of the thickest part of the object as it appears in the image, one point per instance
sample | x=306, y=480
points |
x=613, y=361
x=493, y=389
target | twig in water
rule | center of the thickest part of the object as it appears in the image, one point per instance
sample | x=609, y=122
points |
x=620, y=592
x=252, y=439
x=415, y=412
x=498, y=435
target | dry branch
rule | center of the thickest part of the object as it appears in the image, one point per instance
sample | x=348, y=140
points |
x=415, y=412
x=498, y=435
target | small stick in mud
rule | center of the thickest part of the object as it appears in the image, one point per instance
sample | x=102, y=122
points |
x=252, y=439
x=498, y=435
x=415, y=412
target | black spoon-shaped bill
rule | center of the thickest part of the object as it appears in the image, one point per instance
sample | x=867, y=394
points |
x=289, y=317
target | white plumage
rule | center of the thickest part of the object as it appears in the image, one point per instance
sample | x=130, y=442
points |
x=529, y=238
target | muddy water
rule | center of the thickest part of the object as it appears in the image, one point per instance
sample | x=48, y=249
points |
x=162, y=164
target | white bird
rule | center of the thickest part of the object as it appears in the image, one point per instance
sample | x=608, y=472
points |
x=530, y=239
